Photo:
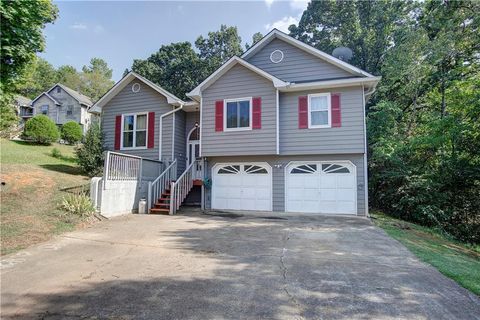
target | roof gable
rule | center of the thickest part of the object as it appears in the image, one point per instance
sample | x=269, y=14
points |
x=276, y=34
x=117, y=88
x=48, y=96
x=81, y=98
x=195, y=93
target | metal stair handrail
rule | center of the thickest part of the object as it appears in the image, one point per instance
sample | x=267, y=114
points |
x=160, y=184
x=180, y=188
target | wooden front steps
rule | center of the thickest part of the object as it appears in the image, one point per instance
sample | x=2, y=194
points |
x=162, y=205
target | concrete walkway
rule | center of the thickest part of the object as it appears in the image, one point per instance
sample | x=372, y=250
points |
x=210, y=267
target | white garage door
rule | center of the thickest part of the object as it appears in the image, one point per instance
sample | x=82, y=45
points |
x=321, y=187
x=242, y=186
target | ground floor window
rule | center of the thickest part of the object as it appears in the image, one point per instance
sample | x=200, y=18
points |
x=134, y=131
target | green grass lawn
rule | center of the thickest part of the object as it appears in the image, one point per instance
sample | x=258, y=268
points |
x=455, y=260
x=35, y=183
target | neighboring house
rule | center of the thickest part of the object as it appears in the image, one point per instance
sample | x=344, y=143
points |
x=23, y=108
x=62, y=104
x=281, y=128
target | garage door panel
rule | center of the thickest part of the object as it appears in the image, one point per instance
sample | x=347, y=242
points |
x=328, y=187
x=328, y=181
x=345, y=181
x=248, y=188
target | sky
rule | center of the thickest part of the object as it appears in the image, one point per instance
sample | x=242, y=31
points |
x=121, y=31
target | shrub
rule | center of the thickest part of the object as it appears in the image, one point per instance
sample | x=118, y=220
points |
x=56, y=153
x=90, y=153
x=41, y=130
x=78, y=204
x=72, y=132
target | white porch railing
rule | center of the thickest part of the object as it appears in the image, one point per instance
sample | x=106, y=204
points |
x=160, y=184
x=126, y=167
x=180, y=188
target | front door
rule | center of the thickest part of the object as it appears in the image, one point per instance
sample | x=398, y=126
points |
x=193, y=153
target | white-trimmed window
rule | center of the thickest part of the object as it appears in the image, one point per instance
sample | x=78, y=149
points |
x=134, y=131
x=44, y=109
x=237, y=114
x=319, y=110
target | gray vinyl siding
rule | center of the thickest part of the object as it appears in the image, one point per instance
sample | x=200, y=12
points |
x=278, y=164
x=349, y=138
x=67, y=100
x=126, y=101
x=167, y=134
x=239, y=82
x=190, y=119
x=180, y=141
x=297, y=64
x=52, y=107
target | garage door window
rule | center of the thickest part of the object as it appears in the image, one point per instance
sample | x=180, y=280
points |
x=229, y=170
x=306, y=168
x=334, y=168
x=255, y=170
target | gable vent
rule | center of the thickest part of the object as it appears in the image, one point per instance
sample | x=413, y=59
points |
x=276, y=56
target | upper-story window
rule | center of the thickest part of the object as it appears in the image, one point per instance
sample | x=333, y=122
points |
x=319, y=110
x=238, y=114
x=44, y=109
x=69, y=110
x=134, y=131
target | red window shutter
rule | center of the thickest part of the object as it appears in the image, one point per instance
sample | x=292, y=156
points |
x=303, y=112
x=118, y=131
x=336, y=112
x=151, y=130
x=257, y=113
x=219, y=115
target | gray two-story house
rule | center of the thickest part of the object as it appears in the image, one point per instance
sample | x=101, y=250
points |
x=281, y=128
x=62, y=104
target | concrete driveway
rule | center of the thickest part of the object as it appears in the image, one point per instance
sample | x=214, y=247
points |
x=209, y=267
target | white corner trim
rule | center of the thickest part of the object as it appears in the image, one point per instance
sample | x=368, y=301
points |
x=201, y=129
x=365, y=155
x=277, y=121
x=329, y=110
x=250, y=114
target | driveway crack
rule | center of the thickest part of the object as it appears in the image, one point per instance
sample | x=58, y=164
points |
x=284, y=270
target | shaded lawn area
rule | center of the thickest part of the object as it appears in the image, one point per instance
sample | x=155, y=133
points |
x=35, y=184
x=453, y=259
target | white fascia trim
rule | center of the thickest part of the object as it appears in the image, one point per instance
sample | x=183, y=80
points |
x=299, y=44
x=171, y=99
x=160, y=136
x=196, y=93
x=331, y=84
x=48, y=96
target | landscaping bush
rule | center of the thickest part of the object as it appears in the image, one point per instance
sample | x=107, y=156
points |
x=78, y=204
x=90, y=153
x=56, y=153
x=41, y=130
x=72, y=132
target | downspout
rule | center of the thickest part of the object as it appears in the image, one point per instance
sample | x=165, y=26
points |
x=160, y=144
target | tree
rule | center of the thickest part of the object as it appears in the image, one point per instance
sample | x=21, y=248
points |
x=175, y=67
x=21, y=25
x=40, y=77
x=257, y=36
x=97, y=78
x=70, y=77
x=366, y=27
x=218, y=47
x=41, y=130
x=90, y=153
x=71, y=132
